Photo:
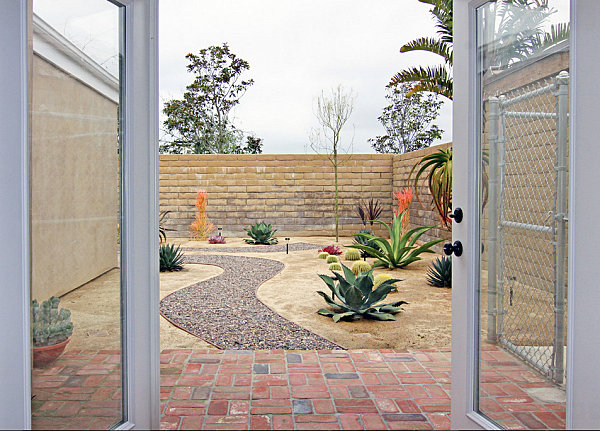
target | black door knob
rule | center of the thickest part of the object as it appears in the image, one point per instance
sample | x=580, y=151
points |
x=457, y=215
x=455, y=248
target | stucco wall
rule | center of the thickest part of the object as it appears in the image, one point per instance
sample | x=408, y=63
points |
x=74, y=182
x=294, y=192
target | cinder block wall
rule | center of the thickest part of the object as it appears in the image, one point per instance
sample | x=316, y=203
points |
x=294, y=192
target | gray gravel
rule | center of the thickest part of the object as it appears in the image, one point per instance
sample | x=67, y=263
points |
x=225, y=311
x=297, y=246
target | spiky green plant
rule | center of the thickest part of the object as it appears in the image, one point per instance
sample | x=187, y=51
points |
x=335, y=267
x=323, y=255
x=357, y=297
x=352, y=254
x=261, y=233
x=400, y=250
x=332, y=259
x=365, y=241
x=440, y=272
x=50, y=325
x=171, y=258
x=360, y=266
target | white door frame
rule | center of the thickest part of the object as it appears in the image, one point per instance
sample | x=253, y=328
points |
x=139, y=204
x=583, y=338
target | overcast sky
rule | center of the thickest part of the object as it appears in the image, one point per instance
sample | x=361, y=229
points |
x=296, y=49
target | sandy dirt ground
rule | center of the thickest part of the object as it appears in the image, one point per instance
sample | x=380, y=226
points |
x=425, y=321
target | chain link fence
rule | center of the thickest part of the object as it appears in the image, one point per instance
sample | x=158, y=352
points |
x=528, y=152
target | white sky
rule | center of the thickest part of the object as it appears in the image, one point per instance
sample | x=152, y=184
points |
x=296, y=49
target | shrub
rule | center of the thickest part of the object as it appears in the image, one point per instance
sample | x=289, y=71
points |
x=201, y=227
x=400, y=250
x=217, y=239
x=331, y=249
x=335, y=267
x=440, y=272
x=261, y=233
x=50, y=325
x=352, y=254
x=357, y=297
x=360, y=266
x=332, y=259
x=323, y=255
x=171, y=258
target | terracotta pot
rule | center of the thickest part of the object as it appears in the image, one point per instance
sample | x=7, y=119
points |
x=42, y=356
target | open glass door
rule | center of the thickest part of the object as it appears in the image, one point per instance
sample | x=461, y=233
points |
x=523, y=140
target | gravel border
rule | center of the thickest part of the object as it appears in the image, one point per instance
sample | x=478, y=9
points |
x=225, y=311
x=277, y=248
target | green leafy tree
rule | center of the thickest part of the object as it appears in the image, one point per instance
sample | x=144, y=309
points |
x=407, y=121
x=199, y=123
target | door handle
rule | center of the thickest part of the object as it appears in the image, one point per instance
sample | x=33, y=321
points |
x=455, y=248
x=457, y=215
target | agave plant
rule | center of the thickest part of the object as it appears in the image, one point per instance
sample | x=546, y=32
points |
x=357, y=297
x=440, y=273
x=261, y=233
x=439, y=180
x=359, y=239
x=171, y=258
x=400, y=250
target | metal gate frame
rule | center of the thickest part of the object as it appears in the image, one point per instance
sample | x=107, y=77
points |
x=498, y=111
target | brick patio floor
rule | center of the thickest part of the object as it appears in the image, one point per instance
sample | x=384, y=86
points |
x=275, y=389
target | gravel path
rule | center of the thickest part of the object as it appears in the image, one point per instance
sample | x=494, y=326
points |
x=225, y=311
x=297, y=246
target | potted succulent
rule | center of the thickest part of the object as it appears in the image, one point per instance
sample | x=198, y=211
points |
x=52, y=329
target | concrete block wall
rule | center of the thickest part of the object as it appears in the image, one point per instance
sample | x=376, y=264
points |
x=294, y=192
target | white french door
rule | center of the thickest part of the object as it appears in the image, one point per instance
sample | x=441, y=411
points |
x=101, y=113
x=525, y=319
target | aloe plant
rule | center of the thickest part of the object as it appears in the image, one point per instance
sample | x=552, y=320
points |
x=261, y=233
x=400, y=250
x=357, y=297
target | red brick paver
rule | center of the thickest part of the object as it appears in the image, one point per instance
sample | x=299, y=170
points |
x=276, y=389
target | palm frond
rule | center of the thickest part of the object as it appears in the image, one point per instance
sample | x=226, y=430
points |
x=429, y=44
x=558, y=33
x=434, y=79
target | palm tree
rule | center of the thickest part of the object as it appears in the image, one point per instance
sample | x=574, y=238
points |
x=436, y=79
x=516, y=35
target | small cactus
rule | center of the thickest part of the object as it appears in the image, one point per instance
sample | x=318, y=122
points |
x=360, y=266
x=352, y=254
x=335, y=267
x=332, y=259
x=380, y=278
x=323, y=255
x=50, y=325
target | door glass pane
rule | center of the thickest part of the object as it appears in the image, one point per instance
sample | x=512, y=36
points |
x=523, y=79
x=76, y=214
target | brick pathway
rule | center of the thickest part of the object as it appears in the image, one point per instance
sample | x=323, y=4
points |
x=276, y=389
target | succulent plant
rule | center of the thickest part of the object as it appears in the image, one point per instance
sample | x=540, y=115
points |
x=261, y=233
x=50, y=325
x=360, y=266
x=440, y=272
x=358, y=297
x=369, y=211
x=331, y=249
x=362, y=240
x=332, y=259
x=171, y=258
x=162, y=229
x=217, y=239
x=400, y=250
x=352, y=254
x=323, y=255
x=380, y=278
x=335, y=267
